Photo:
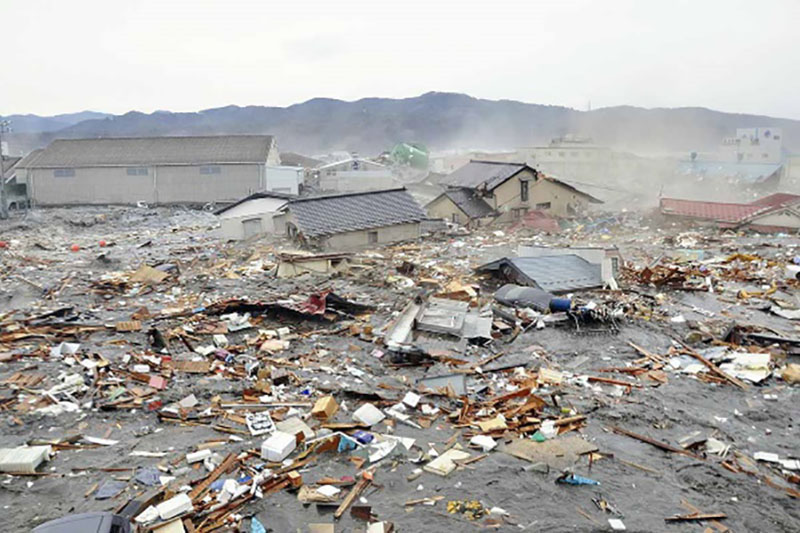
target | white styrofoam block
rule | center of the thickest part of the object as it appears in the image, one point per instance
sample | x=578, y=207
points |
x=329, y=490
x=368, y=414
x=174, y=506
x=196, y=457
x=486, y=442
x=24, y=458
x=411, y=399
x=278, y=446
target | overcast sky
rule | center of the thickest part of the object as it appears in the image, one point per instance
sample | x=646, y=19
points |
x=121, y=55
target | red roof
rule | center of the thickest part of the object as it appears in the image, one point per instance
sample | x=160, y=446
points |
x=708, y=210
x=722, y=212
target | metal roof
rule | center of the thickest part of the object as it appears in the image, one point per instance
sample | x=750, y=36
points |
x=331, y=214
x=722, y=212
x=557, y=274
x=143, y=151
x=484, y=174
x=744, y=172
x=469, y=202
x=726, y=212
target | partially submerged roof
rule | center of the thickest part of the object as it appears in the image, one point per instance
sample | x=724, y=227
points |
x=557, y=274
x=484, y=174
x=142, y=151
x=330, y=214
x=726, y=212
x=255, y=196
x=469, y=202
x=721, y=212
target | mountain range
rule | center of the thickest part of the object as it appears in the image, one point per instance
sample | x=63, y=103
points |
x=438, y=120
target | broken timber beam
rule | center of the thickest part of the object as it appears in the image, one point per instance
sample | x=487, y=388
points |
x=658, y=444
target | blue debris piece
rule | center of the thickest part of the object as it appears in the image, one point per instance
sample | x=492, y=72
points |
x=363, y=437
x=256, y=526
x=572, y=479
x=346, y=444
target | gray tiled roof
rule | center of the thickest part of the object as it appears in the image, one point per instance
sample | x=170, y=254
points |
x=327, y=215
x=562, y=273
x=486, y=174
x=469, y=202
x=135, y=151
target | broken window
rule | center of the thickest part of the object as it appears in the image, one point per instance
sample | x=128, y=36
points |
x=518, y=213
x=64, y=173
x=372, y=237
x=454, y=218
x=523, y=190
x=543, y=205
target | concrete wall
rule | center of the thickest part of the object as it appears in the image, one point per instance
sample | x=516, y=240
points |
x=359, y=239
x=231, y=221
x=110, y=185
x=352, y=239
x=113, y=185
x=186, y=184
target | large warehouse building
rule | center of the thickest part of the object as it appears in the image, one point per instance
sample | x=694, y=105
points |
x=158, y=170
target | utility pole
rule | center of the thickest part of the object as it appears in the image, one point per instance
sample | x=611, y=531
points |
x=4, y=127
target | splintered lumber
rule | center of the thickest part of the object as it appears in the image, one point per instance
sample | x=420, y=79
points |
x=658, y=444
x=714, y=368
x=653, y=357
x=362, y=484
x=213, y=476
x=610, y=381
x=695, y=516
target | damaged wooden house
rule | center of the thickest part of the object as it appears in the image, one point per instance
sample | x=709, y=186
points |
x=350, y=221
x=483, y=191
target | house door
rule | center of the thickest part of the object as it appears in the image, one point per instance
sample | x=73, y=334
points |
x=251, y=226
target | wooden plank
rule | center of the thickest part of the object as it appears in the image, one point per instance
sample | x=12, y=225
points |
x=362, y=484
x=658, y=444
x=212, y=477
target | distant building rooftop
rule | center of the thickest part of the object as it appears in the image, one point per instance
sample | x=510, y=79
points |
x=133, y=151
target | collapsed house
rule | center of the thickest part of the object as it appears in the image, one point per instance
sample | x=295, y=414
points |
x=555, y=273
x=609, y=258
x=504, y=192
x=354, y=220
x=776, y=212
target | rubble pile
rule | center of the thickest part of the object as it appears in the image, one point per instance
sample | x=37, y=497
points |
x=151, y=370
